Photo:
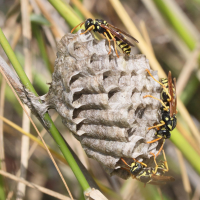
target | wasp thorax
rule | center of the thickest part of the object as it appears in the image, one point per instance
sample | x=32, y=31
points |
x=100, y=100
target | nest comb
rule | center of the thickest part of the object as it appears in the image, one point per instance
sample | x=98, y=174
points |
x=100, y=100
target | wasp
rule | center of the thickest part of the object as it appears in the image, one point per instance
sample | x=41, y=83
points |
x=110, y=32
x=150, y=175
x=168, y=109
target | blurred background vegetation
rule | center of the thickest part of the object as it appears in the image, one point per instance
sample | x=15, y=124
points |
x=168, y=32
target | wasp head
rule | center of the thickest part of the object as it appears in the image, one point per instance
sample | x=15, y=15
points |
x=88, y=23
x=135, y=168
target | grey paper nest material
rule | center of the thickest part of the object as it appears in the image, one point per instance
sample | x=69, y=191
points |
x=100, y=99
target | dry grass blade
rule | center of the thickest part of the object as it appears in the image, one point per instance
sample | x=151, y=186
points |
x=178, y=43
x=58, y=33
x=146, y=35
x=196, y=195
x=173, y=36
x=160, y=193
x=188, y=137
x=186, y=116
x=16, y=36
x=128, y=23
x=175, y=8
x=152, y=59
x=82, y=9
x=32, y=148
x=43, y=132
x=186, y=182
x=33, y=138
x=46, y=29
x=32, y=185
x=26, y=33
x=129, y=189
x=187, y=70
x=2, y=100
x=38, y=133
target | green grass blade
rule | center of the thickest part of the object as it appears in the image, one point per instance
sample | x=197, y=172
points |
x=177, y=25
x=186, y=149
x=2, y=192
x=66, y=12
x=38, y=35
x=53, y=130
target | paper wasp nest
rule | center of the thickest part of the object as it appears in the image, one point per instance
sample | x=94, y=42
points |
x=100, y=99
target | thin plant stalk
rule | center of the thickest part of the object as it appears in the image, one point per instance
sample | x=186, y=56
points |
x=177, y=25
x=32, y=185
x=66, y=12
x=26, y=34
x=57, y=32
x=2, y=154
x=186, y=149
x=38, y=35
x=53, y=130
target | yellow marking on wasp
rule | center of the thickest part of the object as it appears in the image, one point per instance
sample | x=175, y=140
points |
x=164, y=80
x=119, y=42
x=98, y=27
x=125, y=49
x=123, y=45
x=170, y=127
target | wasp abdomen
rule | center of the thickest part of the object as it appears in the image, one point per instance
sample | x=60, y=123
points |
x=125, y=47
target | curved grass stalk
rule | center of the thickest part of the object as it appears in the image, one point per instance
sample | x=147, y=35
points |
x=177, y=24
x=66, y=12
x=52, y=128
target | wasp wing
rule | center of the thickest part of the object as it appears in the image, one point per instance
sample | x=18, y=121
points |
x=174, y=79
x=117, y=34
x=156, y=178
x=121, y=31
x=170, y=88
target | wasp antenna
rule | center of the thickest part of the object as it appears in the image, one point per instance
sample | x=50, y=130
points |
x=77, y=26
x=125, y=162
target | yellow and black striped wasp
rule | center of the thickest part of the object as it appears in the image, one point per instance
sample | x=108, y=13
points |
x=168, y=109
x=110, y=32
x=150, y=175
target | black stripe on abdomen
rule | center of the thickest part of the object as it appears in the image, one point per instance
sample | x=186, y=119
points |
x=125, y=47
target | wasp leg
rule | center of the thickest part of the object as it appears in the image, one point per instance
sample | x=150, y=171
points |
x=89, y=29
x=157, y=125
x=126, y=168
x=140, y=162
x=165, y=162
x=114, y=42
x=161, y=149
x=152, y=141
x=108, y=41
x=77, y=26
x=160, y=84
x=149, y=142
x=166, y=108
x=156, y=165
x=125, y=162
